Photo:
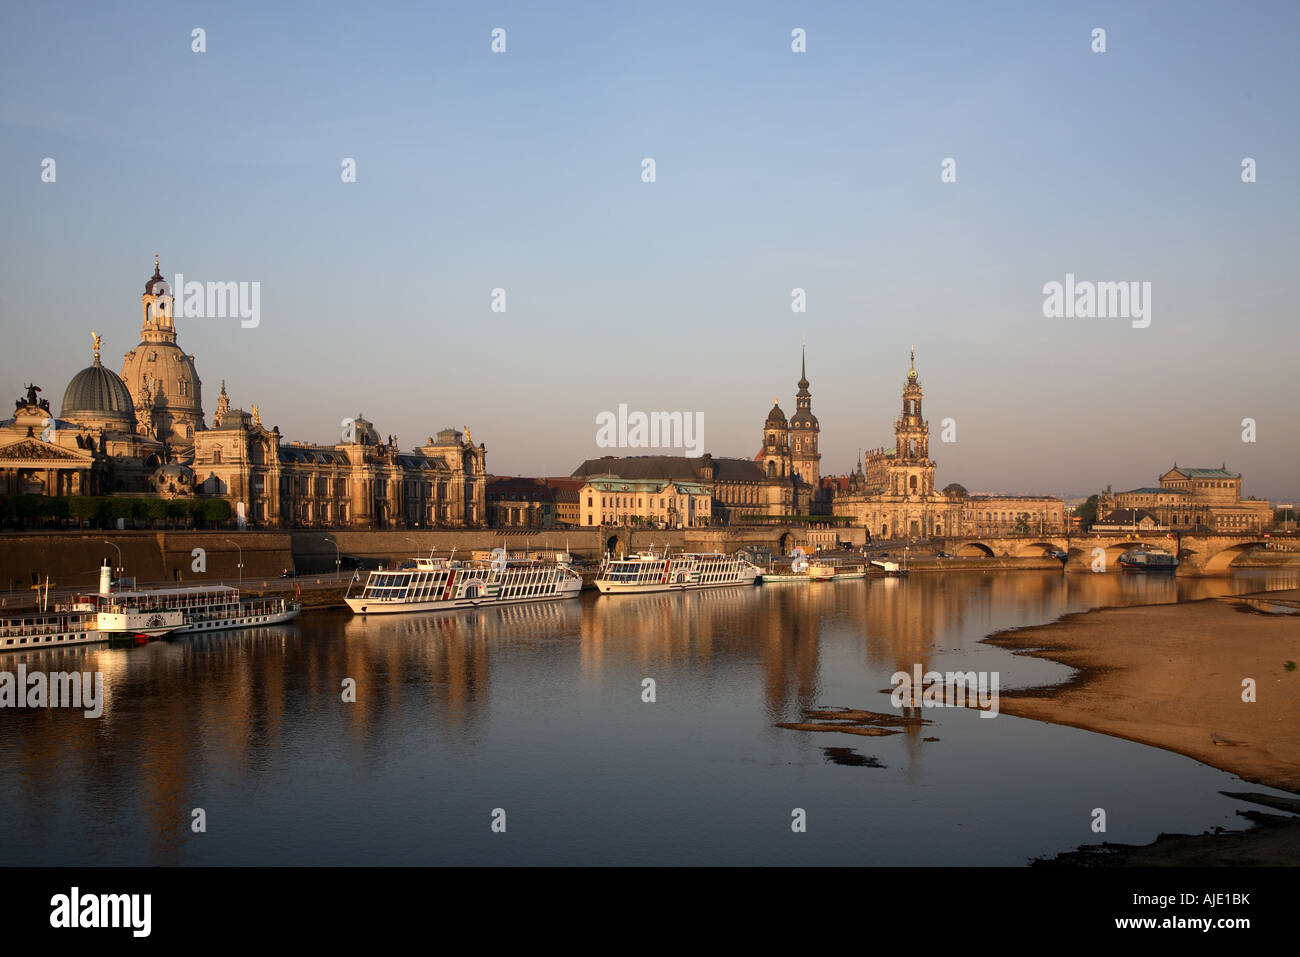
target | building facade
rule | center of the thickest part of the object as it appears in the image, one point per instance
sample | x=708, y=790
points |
x=1191, y=498
x=661, y=503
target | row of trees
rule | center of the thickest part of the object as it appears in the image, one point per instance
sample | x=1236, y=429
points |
x=104, y=511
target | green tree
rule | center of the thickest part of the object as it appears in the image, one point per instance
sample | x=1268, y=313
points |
x=155, y=510
x=176, y=509
x=56, y=508
x=103, y=510
x=1022, y=523
x=82, y=508
x=138, y=510
x=28, y=508
x=1087, y=513
x=217, y=510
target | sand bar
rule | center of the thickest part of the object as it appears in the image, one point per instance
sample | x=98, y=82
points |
x=1171, y=676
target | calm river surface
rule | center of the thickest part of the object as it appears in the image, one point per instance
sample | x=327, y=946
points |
x=537, y=710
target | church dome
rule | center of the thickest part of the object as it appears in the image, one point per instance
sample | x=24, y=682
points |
x=776, y=418
x=166, y=375
x=803, y=419
x=98, y=392
x=154, y=280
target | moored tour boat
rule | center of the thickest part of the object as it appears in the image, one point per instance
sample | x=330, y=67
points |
x=435, y=584
x=833, y=569
x=109, y=621
x=650, y=572
x=1147, y=560
x=144, y=613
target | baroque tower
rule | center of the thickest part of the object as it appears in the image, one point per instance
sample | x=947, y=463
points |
x=160, y=376
x=776, y=444
x=804, y=433
x=911, y=472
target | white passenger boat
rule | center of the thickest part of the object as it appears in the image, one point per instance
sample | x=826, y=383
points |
x=109, y=621
x=213, y=607
x=111, y=615
x=648, y=571
x=834, y=569
x=1148, y=560
x=775, y=577
x=434, y=584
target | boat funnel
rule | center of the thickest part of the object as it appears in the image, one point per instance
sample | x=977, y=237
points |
x=105, y=578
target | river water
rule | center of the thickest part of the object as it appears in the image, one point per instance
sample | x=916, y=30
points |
x=534, y=715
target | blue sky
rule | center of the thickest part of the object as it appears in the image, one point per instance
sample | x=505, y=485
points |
x=775, y=170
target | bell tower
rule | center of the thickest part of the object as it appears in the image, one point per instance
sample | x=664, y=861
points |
x=911, y=471
x=162, y=378
x=775, y=454
x=158, y=322
x=805, y=432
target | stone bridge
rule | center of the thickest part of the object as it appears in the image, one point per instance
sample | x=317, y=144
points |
x=1199, y=553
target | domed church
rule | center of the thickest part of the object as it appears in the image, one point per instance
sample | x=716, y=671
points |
x=92, y=447
x=143, y=433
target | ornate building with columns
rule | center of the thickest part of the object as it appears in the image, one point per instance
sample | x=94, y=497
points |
x=92, y=447
x=144, y=433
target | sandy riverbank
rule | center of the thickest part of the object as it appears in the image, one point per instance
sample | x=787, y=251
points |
x=1171, y=676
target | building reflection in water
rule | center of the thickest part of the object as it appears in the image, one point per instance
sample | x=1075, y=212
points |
x=229, y=712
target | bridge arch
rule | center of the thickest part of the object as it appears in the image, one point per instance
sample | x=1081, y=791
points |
x=1114, y=551
x=1035, y=550
x=973, y=550
x=1221, y=562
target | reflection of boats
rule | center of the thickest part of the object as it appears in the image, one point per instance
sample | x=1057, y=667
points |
x=433, y=584
x=648, y=572
x=1147, y=560
x=519, y=619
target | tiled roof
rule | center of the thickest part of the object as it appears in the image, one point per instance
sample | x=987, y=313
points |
x=1206, y=473
x=1128, y=516
x=676, y=468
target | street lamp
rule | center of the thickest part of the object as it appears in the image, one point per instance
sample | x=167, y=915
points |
x=338, y=574
x=241, y=560
x=119, y=557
